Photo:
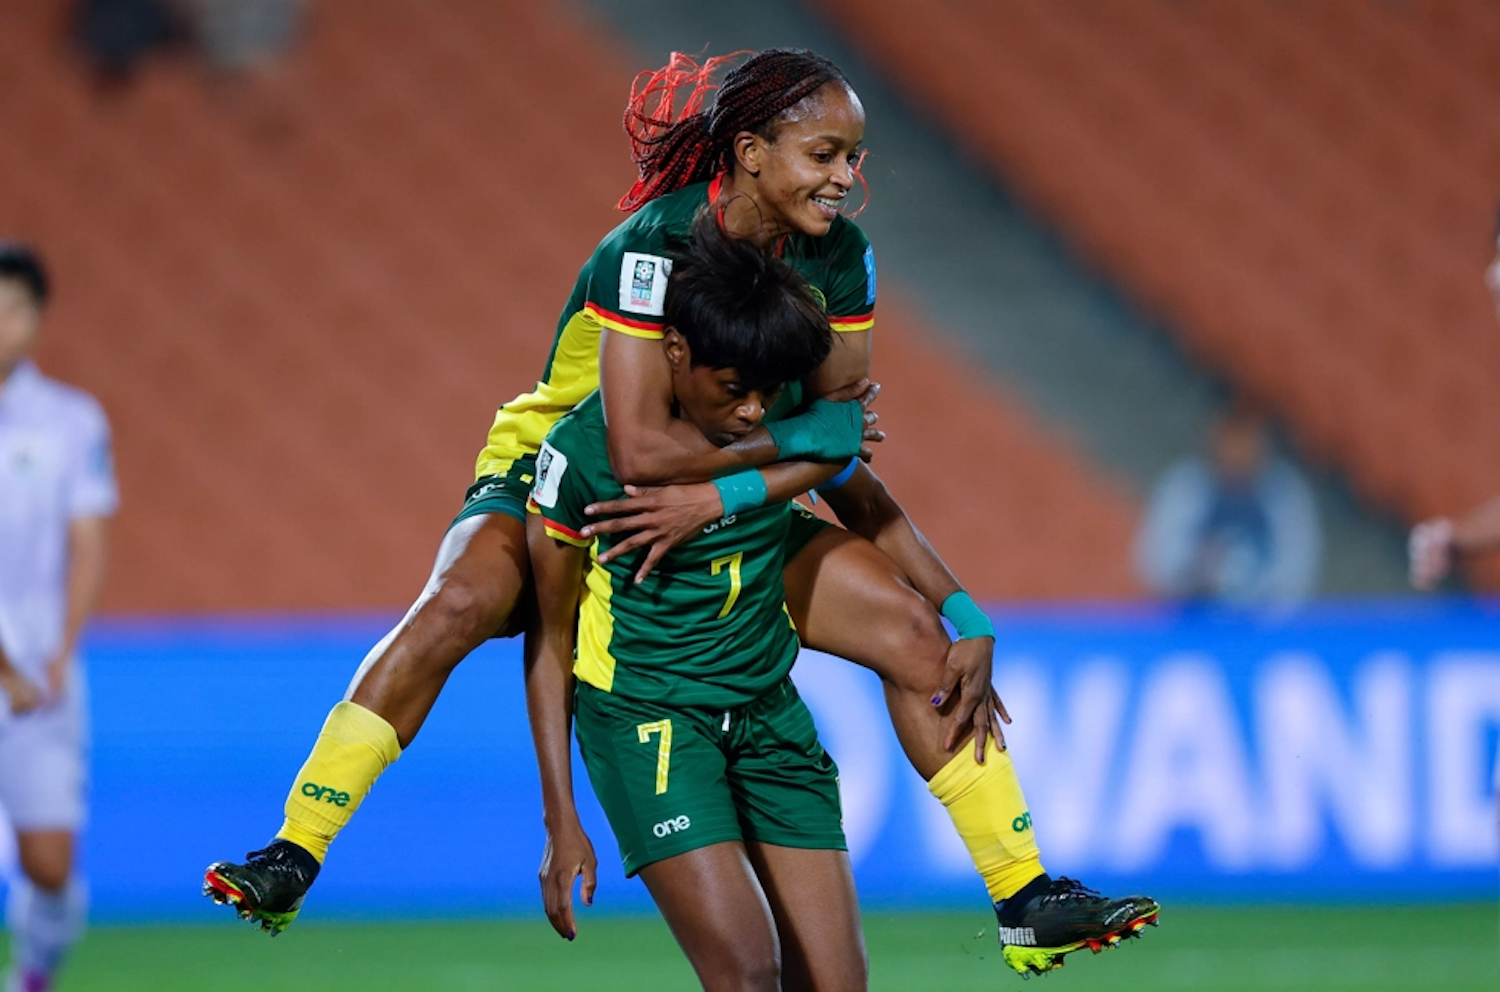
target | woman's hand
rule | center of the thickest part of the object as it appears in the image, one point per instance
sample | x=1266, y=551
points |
x=968, y=671
x=659, y=517
x=568, y=854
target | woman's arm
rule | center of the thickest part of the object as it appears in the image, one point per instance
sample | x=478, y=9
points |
x=88, y=560
x=866, y=508
x=647, y=445
x=557, y=576
x=845, y=368
x=664, y=517
x=650, y=447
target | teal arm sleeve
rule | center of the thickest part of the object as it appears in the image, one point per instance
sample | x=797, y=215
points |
x=826, y=432
x=967, y=618
x=741, y=491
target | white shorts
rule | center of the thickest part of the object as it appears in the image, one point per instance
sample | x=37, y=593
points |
x=44, y=763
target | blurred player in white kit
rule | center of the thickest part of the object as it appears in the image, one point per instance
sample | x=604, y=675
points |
x=57, y=492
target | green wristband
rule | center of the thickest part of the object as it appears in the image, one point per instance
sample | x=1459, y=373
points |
x=967, y=618
x=741, y=491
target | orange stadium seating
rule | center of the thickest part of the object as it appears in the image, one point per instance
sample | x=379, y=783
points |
x=1306, y=191
x=301, y=332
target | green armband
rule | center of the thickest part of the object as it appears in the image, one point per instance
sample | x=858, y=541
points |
x=741, y=491
x=826, y=432
x=967, y=618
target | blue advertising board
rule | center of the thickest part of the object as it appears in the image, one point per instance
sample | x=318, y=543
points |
x=1345, y=753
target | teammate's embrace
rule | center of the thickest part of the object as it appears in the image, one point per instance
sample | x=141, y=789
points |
x=698, y=747
x=773, y=155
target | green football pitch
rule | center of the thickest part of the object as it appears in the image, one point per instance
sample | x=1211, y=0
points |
x=1205, y=949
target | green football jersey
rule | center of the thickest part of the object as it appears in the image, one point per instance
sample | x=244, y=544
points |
x=623, y=287
x=708, y=627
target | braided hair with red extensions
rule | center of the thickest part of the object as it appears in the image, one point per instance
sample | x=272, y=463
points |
x=677, y=146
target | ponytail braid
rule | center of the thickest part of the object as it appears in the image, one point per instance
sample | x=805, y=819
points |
x=675, y=147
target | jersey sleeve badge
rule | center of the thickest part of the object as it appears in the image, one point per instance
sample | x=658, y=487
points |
x=550, y=466
x=643, y=283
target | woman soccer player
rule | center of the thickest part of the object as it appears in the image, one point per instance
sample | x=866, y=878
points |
x=698, y=747
x=773, y=155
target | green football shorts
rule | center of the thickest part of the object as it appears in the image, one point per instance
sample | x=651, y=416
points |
x=506, y=493
x=672, y=780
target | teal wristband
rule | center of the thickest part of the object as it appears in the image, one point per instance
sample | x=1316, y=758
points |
x=968, y=619
x=741, y=491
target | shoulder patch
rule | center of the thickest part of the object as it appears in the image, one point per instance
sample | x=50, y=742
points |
x=551, y=464
x=869, y=274
x=643, y=282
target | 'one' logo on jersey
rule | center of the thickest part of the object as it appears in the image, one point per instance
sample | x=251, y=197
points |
x=643, y=283
x=722, y=522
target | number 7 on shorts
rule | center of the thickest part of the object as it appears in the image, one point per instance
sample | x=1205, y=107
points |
x=663, y=749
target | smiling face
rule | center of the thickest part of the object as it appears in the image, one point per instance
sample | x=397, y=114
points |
x=715, y=401
x=799, y=171
x=20, y=317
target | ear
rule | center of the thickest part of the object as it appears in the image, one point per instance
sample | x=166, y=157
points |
x=749, y=152
x=675, y=347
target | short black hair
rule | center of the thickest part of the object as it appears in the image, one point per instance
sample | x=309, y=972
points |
x=740, y=307
x=21, y=263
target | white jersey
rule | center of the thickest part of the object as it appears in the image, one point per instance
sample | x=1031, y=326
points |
x=55, y=467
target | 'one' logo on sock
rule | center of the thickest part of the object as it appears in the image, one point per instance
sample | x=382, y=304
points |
x=1020, y=824
x=322, y=793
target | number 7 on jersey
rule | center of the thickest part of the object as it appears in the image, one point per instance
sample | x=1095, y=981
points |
x=716, y=566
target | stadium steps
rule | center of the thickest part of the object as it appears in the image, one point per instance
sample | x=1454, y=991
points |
x=1305, y=192
x=999, y=287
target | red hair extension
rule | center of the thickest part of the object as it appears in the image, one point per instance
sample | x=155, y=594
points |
x=675, y=146
x=668, y=144
x=864, y=186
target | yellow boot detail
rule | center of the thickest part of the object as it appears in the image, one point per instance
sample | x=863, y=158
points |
x=355, y=746
x=989, y=812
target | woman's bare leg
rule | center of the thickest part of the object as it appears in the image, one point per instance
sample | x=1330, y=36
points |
x=712, y=901
x=475, y=586
x=817, y=917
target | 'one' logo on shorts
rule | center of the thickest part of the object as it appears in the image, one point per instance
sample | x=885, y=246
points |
x=676, y=825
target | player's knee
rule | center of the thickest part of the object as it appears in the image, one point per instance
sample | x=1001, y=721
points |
x=743, y=966
x=750, y=972
x=463, y=609
x=913, y=643
x=48, y=873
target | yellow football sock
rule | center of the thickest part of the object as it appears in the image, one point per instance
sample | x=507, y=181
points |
x=356, y=745
x=990, y=814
